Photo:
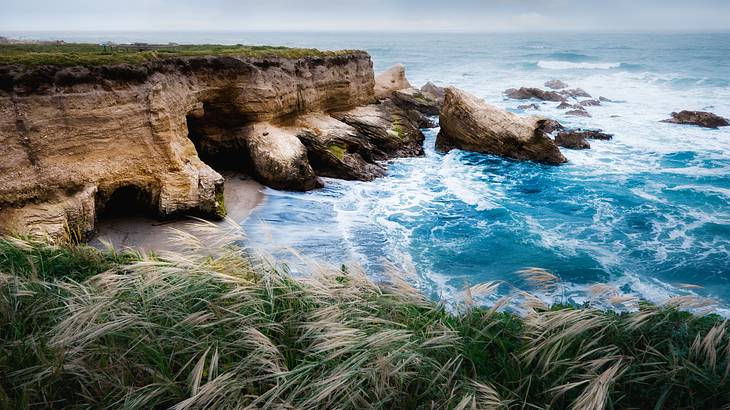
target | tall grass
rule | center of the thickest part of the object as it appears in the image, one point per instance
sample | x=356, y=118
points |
x=213, y=328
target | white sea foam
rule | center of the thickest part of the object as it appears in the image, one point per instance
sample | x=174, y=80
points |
x=568, y=65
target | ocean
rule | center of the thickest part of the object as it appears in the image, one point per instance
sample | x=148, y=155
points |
x=647, y=212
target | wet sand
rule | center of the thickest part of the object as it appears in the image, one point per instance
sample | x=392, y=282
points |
x=241, y=195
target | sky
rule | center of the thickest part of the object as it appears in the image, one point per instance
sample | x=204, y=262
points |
x=365, y=15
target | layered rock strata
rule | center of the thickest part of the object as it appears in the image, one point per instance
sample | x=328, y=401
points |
x=74, y=140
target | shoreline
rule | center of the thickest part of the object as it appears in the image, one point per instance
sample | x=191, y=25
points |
x=241, y=194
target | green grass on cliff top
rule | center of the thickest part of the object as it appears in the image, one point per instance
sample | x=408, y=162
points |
x=94, y=54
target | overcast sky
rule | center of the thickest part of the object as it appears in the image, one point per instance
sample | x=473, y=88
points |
x=366, y=15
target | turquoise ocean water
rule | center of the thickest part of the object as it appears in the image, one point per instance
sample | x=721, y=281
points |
x=646, y=212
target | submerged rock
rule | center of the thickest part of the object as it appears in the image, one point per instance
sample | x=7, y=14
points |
x=469, y=123
x=528, y=107
x=564, y=105
x=700, y=118
x=578, y=113
x=392, y=79
x=589, y=103
x=526, y=93
x=604, y=99
x=572, y=140
x=556, y=84
x=575, y=93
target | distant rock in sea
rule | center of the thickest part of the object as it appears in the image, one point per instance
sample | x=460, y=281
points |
x=526, y=93
x=556, y=84
x=528, y=107
x=578, y=113
x=700, y=118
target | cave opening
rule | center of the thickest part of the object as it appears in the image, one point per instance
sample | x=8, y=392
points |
x=216, y=131
x=127, y=201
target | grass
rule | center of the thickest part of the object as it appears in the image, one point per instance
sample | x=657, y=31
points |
x=94, y=54
x=212, y=328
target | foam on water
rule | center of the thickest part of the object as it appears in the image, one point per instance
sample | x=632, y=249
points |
x=644, y=212
x=569, y=65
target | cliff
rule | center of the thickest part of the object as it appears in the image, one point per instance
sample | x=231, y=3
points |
x=76, y=141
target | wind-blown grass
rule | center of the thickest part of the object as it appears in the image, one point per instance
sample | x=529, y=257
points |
x=217, y=329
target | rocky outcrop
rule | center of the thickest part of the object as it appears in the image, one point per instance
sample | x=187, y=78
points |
x=393, y=130
x=414, y=99
x=577, y=138
x=338, y=150
x=433, y=91
x=279, y=158
x=571, y=140
x=392, y=79
x=578, y=112
x=526, y=93
x=73, y=138
x=699, y=118
x=469, y=123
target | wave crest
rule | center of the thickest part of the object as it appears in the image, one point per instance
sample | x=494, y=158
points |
x=568, y=65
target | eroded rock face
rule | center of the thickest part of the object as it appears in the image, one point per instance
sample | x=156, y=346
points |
x=279, y=158
x=71, y=137
x=699, y=118
x=338, y=150
x=392, y=79
x=394, y=131
x=469, y=123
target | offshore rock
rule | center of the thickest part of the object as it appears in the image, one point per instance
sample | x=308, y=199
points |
x=556, y=84
x=571, y=140
x=700, y=118
x=526, y=93
x=469, y=123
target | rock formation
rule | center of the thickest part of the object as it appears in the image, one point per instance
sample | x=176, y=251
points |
x=392, y=79
x=526, y=93
x=74, y=139
x=578, y=112
x=699, y=118
x=571, y=140
x=469, y=123
x=556, y=84
x=433, y=91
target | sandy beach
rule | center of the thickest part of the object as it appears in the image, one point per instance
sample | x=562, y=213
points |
x=242, y=195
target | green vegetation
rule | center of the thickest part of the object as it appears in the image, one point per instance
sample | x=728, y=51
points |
x=220, y=203
x=338, y=151
x=214, y=329
x=94, y=54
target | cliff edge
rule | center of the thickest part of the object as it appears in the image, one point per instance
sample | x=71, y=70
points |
x=77, y=141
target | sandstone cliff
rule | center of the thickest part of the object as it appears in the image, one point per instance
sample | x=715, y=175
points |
x=72, y=139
